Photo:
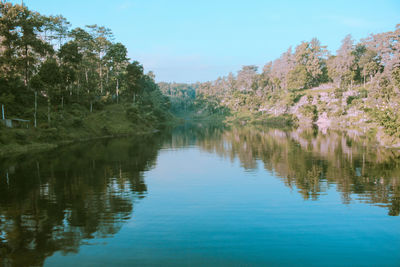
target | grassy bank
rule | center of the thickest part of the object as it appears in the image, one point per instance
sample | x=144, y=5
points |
x=79, y=124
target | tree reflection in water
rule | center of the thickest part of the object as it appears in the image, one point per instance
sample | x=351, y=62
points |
x=57, y=201
x=53, y=202
x=309, y=160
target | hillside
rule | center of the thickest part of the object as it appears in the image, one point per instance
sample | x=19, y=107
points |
x=356, y=89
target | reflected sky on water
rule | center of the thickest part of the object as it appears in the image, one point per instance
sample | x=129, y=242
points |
x=204, y=195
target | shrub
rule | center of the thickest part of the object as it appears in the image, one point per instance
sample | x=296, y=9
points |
x=77, y=122
x=310, y=111
x=50, y=134
x=294, y=97
x=389, y=120
x=43, y=125
x=105, y=130
x=363, y=93
x=132, y=114
x=338, y=92
x=350, y=99
x=4, y=139
x=21, y=137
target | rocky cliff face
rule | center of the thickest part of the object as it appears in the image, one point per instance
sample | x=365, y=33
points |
x=328, y=108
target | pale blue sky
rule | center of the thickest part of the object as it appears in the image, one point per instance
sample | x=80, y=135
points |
x=188, y=41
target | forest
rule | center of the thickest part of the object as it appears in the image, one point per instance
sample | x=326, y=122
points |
x=356, y=87
x=67, y=83
x=70, y=83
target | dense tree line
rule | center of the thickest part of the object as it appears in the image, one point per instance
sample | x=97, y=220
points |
x=45, y=62
x=372, y=63
x=187, y=98
x=182, y=96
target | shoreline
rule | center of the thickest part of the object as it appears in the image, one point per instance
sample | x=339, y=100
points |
x=17, y=149
x=278, y=122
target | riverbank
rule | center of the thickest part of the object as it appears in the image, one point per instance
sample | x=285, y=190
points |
x=78, y=124
x=328, y=108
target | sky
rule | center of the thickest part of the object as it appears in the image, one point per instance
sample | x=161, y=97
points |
x=189, y=41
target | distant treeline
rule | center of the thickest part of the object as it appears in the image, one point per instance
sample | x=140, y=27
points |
x=186, y=98
x=181, y=95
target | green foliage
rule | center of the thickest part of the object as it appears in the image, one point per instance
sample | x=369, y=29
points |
x=389, y=119
x=396, y=76
x=296, y=96
x=77, y=122
x=49, y=135
x=132, y=113
x=21, y=137
x=134, y=75
x=286, y=120
x=81, y=73
x=350, y=99
x=49, y=73
x=310, y=111
x=182, y=97
x=299, y=78
x=368, y=64
x=63, y=77
x=7, y=99
x=293, y=97
x=363, y=93
x=338, y=92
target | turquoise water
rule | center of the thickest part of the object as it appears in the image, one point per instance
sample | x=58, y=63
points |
x=204, y=196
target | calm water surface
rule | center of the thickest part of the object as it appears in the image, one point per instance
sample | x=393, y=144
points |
x=204, y=196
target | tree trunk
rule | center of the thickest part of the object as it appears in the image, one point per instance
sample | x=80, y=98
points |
x=35, y=114
x=26, y=66
x=77, y=90
x=107, y=76
x=101, y=79
x=364, y=77
x=91, y=106
x=117, y=92
x=62, y=102
x=48, y=110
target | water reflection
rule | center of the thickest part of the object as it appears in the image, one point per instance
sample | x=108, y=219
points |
x=310, y=161
x=58, y=201
x=53, y=202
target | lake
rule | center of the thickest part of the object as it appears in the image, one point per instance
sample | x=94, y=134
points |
x=203, y=195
